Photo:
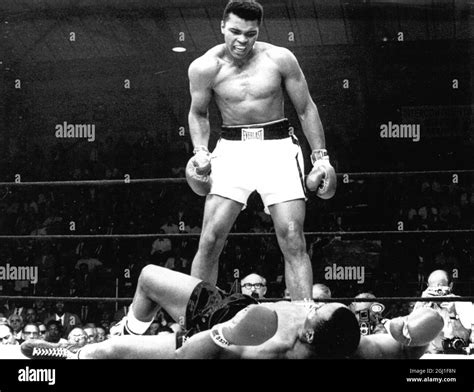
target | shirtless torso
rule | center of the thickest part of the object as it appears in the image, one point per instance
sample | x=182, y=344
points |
x=285, y=343
x=247, y=93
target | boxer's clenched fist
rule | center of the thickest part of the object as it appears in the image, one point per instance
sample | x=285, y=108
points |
x=198, y=171
x=322, y=177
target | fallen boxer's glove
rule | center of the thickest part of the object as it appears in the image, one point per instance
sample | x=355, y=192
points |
x=198, y=171
x=322, y=177
x=252, y=326
x=418, y=328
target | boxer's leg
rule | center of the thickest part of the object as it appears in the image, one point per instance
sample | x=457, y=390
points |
x=220, y=214
x=160, y=346
x=157, y=287
x=288, y=218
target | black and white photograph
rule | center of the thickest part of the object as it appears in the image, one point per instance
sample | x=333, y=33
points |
x=236, y=185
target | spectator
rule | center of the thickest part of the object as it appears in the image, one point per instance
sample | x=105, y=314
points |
x=30, y=315
x=161, y=249
x=154, y=328
x=101, y=334
x=369, y=314
x=16, y=323
x=41, y=309
x=458, y=316
x=77, y=337
x=170, y=226
x=6, y=335
x=178, y=262
x=321, y=291
x=54, y=332
x=254, y=285
x=30, y=331
x=91, y=334
x=41, y=331
x=67, y=320
x=84, y=280
x=17, y=307
x=88, y=260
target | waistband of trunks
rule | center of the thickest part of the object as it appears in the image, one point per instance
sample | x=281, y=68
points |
x=279, y=129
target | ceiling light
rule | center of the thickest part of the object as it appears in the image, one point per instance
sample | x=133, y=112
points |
x=179, y=49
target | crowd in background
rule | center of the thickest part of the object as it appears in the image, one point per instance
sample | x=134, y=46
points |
x=394, y=265
x=59, y=322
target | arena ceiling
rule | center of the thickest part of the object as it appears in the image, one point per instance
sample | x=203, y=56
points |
x=116, y=40
x=38, y=30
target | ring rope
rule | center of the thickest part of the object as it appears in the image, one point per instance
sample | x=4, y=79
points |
x=309, y=233
x=336, y=299
x=95, y=182
x=180, y=180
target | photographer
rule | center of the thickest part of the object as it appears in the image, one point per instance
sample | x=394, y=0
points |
x=369, y=315
x=457, y=316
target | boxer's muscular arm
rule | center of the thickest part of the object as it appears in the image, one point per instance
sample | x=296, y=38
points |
x=408, y=337
x=384, y=346
x=200, y=73
x=297, y=89
x=251, y=326
x=199, y=346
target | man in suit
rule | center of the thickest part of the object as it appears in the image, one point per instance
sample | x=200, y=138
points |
x=68, y=320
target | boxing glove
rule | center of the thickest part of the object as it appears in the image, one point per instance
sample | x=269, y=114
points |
x=202, y=160
x=198, y=171
x=418, y=328
x=252, y=326
x=322, y=177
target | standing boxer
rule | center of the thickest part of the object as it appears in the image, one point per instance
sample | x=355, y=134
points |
x=257, y=150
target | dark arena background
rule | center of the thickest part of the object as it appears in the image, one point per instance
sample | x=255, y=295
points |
x=392, y=81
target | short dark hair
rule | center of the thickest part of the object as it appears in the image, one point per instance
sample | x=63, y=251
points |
x=245, y=9
x=337, y=336
x=56, y=323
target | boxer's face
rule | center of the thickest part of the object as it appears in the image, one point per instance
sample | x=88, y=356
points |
x=239, y=35
x=307, y=333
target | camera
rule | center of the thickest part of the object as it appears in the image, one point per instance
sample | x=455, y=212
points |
x=364, y=322
x=454, y=346
x=370, y=318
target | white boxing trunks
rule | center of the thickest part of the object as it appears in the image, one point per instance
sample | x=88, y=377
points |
x=262, y=157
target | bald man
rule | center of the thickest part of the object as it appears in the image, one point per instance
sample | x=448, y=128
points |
x=77, y=337
x=321, y=291
x=458, y=316
x=254, y=285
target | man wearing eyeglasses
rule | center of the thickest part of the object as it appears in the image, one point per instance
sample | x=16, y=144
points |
x=254, y=285
x=42, y=330
x=30, y=331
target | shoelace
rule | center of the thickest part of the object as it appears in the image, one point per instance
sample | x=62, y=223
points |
x=49, y=352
